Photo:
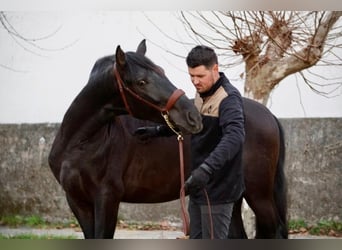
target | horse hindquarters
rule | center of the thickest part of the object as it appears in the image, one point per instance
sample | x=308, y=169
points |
x=265, y=182
x=271, y=222
x=236, y=228
x=280, y=188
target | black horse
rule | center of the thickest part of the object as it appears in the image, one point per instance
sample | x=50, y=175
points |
x=99, y=162
x=88, y=156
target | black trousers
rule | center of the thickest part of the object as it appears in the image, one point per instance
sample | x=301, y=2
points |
x=200, y=220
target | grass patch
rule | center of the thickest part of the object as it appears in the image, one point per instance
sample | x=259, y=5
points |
x=37, y=237
x=34, y=221
x=324, y=227
x=297, y=224
x=18, y=220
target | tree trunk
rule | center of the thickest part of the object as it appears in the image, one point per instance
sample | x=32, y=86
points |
x=265, y=71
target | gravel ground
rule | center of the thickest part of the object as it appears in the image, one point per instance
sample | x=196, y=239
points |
x=123, y=234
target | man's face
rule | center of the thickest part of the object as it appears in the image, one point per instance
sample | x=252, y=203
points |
x=202, y=78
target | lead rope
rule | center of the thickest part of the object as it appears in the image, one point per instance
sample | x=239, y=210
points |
x=209, y=213
x=185, y=216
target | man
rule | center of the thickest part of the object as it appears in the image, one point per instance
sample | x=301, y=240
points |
x=216, y=151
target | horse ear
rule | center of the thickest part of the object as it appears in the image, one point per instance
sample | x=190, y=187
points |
x=120, y=57
x=141, y=50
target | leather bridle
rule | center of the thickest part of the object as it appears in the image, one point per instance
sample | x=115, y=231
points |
x=122, y=88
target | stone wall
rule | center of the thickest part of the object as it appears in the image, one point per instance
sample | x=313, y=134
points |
x=313, y=170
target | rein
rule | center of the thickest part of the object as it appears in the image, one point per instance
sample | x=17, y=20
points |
x=165, y=114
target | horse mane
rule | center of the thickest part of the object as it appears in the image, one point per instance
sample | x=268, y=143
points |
x=135, y=59
x=102, y=68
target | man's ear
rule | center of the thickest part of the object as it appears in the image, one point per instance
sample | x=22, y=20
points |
x=215, y=67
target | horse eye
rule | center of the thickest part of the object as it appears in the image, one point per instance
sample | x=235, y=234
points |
x=142, y=82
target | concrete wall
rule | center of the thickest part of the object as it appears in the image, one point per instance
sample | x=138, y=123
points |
x=313, y=169
x=27, y=185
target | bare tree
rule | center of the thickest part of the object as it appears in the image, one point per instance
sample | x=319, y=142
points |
x=272, y=45
x=28, y=44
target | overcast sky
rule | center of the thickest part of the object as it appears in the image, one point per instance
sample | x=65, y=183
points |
x=41, y=83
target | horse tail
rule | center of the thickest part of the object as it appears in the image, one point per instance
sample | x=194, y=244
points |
x=280, y=186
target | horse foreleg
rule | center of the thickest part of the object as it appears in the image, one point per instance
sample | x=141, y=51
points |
x=106, y=213
x=84, y=213
x=236, y=229
x=82, y=209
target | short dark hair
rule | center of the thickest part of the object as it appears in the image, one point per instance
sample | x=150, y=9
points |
x=201, y=55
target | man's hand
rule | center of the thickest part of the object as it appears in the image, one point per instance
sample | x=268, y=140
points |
x=144, y=133
x=198, y=179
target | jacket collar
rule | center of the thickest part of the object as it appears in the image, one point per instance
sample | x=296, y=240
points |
x=213, y=89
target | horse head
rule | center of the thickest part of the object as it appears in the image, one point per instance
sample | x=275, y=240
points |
x=146, y=91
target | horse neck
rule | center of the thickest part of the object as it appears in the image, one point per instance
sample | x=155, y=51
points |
x=90, y=110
